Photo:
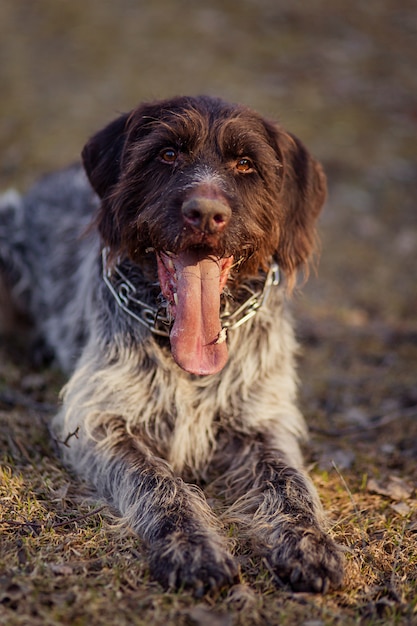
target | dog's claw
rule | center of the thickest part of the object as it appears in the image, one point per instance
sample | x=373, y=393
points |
x=206, y=569
x=198, y=589
x=316, y=566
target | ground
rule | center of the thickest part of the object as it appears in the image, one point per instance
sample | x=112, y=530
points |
x=342, y=77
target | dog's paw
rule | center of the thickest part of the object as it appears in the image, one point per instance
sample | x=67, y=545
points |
x=198, y=563
x=307, y=559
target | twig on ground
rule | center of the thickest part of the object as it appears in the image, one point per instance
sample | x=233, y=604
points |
x=68, y=437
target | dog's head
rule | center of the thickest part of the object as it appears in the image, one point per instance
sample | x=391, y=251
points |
x=209, y=187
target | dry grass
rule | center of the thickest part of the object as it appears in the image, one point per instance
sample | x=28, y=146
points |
x=63, y=560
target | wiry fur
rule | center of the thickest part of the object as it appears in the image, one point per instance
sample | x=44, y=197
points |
x=135, y=424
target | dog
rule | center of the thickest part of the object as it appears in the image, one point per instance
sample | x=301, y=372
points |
x=157, y=275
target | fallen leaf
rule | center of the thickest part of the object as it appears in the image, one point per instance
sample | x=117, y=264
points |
x=204, y=616
x=61, y=569
x=401, y=508
x=395, y=488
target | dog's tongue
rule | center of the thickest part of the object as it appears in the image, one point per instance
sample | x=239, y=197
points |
x=197, y=343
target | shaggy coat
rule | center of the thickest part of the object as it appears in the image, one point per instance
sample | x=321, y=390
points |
x=153, y=281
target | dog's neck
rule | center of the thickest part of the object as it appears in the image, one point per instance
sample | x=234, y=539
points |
x=156, y=318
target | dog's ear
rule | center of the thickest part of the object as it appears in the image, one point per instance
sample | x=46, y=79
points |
x=102, y=155
x=302, y=195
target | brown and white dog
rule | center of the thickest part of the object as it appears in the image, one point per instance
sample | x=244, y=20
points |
x=154, y=280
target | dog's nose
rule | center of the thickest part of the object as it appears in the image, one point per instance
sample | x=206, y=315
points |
x=209, y=215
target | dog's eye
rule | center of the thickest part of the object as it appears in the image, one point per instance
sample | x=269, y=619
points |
x=169, y=155
x=244, y=165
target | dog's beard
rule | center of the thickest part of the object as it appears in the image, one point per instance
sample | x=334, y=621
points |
x=192, y=282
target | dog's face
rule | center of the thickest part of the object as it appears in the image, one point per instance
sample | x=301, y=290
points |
x=208, y=187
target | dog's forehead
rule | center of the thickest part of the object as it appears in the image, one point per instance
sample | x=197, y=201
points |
x=204, y=125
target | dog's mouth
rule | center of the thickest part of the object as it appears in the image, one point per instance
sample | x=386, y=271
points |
x=192, y=282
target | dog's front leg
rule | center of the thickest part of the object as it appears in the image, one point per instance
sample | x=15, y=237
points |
x=185, y=543
x=278, y=505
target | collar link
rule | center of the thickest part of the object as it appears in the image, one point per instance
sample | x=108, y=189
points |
x=157, y=319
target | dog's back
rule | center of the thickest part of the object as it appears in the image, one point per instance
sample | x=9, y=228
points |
x=44, y=243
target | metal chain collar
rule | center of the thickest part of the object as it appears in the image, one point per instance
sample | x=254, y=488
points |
x=158, y=320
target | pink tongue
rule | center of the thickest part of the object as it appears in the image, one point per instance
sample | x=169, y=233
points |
x=196, y=343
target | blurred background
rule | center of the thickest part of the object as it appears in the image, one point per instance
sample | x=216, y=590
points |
x=340, y=74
